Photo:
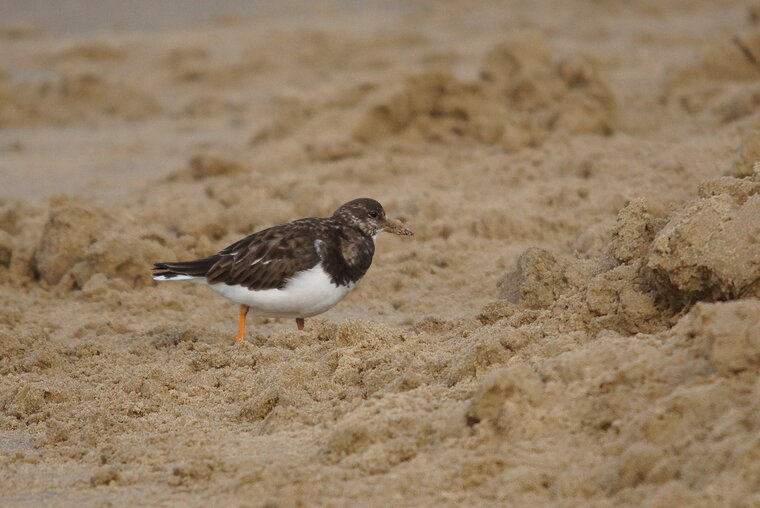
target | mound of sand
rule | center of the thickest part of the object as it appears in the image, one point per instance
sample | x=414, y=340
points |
x=722, y=79
x=522, y=95
x=709, y=250
x=71, y=98
x=749, y=154
x=68, y=233
x=78, y=242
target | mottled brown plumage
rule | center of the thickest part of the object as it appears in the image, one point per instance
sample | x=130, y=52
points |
x=268, y=259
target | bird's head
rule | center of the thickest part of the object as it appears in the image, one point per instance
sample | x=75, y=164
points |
x=369, y=216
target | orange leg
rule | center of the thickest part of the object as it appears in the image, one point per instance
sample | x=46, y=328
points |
x=299, y=323
x=241, y=322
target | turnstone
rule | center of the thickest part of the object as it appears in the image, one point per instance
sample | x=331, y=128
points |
x=295, y=270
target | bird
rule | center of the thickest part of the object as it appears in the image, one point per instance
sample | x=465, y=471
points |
x=293, y=270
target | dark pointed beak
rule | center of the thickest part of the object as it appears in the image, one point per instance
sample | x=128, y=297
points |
x=395, y=227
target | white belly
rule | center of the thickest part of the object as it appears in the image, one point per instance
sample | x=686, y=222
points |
x=309, y=293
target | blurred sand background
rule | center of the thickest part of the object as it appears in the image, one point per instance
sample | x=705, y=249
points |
x=575, y=323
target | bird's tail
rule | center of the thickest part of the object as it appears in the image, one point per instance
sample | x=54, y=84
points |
x=184, y=270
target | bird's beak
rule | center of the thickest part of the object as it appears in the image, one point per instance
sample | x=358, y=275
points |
x=395, y=227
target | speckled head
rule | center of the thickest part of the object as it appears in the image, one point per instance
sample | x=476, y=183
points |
x=369, y=216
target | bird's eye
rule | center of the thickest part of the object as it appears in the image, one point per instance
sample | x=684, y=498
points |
x=373, y=214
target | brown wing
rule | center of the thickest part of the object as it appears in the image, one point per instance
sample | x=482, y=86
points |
x=269, y=258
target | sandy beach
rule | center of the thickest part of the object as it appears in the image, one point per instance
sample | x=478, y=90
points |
x=576, y=321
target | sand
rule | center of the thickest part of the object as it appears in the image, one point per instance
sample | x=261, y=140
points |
x=576, y=321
